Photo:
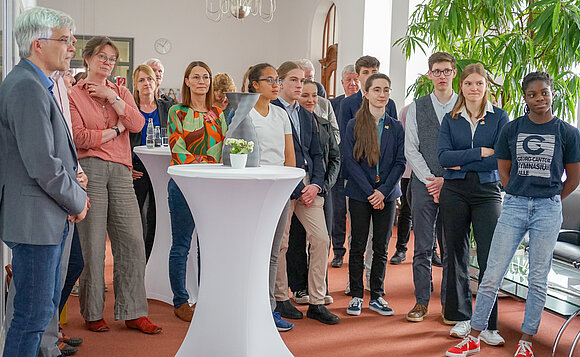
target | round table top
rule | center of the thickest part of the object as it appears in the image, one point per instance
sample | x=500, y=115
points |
x=219, y=171
x=160, y=150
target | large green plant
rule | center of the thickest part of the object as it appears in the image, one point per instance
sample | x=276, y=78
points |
x=510, y=37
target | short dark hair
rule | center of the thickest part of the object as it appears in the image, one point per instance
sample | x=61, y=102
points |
x=441, y=57
x=366, y=61
x=95, y=44
x=255, y=73
x=537, y=76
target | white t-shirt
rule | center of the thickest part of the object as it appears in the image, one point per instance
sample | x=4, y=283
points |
x=271, y=130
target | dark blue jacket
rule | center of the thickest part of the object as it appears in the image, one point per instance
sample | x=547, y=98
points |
x=307, y=149
x=456, y=147
x=335, y=102
x=362, y=177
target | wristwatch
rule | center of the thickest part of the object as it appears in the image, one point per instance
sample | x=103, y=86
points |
x=116, y=128
x=117, y=98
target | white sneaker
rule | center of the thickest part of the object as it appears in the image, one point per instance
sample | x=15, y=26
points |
x=355, y=306
x=491, y=337
x=461, y=329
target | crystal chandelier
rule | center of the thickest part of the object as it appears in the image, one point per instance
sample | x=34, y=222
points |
x=240, y=9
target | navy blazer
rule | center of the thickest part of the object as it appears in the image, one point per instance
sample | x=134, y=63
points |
x=306, y=150
x=455, y=146
x=335, y=102
x=362, y=177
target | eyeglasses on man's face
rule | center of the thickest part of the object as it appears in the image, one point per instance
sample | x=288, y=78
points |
x=103, y=58
x=68, y=41
x=437, y=73
x=270, y=81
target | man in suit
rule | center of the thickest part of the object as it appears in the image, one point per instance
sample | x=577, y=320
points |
x=306, y=202
x=40, y=196
x=351, y=85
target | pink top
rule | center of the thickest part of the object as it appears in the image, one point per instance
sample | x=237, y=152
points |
x=90, y=116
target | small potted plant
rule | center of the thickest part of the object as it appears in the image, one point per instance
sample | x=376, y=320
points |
x=239, y=149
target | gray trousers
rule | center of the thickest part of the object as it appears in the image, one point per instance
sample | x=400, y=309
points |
x=275, y=253
x=424, y=213
x=114, y=210
x=48, y=344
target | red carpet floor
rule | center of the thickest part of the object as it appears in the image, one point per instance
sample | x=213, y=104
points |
x=366, y=335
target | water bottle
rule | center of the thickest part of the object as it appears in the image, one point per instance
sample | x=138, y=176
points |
x=157, y=137
x=150, y=135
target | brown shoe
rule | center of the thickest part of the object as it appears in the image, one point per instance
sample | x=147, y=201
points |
x=184, y=312
x=97, y=326
x=144, y=325
x=418, y=313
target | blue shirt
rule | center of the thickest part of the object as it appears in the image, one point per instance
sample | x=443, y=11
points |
x=293, y=114
x=538, y=154
x=47, y=81
x=156, y=122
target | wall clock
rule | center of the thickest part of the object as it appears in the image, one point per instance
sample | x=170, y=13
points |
x=162, y=46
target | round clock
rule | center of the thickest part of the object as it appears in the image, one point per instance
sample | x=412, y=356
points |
x=162, y=46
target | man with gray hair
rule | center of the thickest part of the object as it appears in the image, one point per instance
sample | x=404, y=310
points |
x=159, y=71
x=309, y=71
x=40, y=197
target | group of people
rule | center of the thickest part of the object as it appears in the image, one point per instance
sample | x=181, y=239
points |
x=447, y=156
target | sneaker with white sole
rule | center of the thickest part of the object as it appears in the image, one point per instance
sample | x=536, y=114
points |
x=469, y=346
x=491, y=337
x=381, y=306
x=524, y=349
x=355, y=306
x=301, y=297
x=461, y=329
x=281, y=324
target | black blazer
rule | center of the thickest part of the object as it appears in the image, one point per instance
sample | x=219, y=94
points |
x=307, y=150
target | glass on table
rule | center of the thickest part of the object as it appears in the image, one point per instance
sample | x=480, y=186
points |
x=164, y=137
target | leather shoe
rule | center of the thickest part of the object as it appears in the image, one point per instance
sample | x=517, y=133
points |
x=321, y=313
x=97, y=326
x=399, y=257
x=144, y=325
x=336, y=262
x=287, y=310
x=184, y=312
x=436, y=260
x=418, y=313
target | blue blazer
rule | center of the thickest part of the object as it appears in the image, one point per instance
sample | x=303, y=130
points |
x=307, y=150
x=335, y=102
x=362, y=177
x=456, y=147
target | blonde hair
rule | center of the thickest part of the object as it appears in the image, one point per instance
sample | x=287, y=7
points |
x=149, y=71
x=222, y=82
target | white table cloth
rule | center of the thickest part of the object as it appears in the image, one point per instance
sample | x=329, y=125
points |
x=236, y=212
x=157, y=285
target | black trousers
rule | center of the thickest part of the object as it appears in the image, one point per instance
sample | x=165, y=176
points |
x=338, y=234
x=464, y=203
x=404, y=219
x=296, y=256
x=383, y=220
x=146, y=200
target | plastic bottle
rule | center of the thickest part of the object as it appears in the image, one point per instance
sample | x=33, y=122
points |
x=150, y=135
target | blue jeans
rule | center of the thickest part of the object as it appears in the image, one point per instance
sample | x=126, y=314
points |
x=542, y=218
x=75, y=268
x=182, y=227
x=37, y=280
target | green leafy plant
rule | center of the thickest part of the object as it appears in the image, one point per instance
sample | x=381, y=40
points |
x=510, y=37
x=240, y=146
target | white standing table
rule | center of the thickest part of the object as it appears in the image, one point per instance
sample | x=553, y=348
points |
x=235, y=212
x=157, y=284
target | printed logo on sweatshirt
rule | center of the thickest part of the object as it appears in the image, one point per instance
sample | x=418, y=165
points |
x=534, y=154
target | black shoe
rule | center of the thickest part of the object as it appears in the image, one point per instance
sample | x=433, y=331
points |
x=321, y=313
x=436, y=260
x=399, y=257
x=287, y=310
x=67, y=350
x=336, y=262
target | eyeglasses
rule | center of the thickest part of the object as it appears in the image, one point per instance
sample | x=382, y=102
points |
x=103, y=58
x=447, y=72
x=197, y=78
x=270, y=81
x=67, y=41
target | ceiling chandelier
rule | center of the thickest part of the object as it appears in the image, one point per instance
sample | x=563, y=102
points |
x=240, y=9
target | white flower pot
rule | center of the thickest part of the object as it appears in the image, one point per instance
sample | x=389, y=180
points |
x=238, y=161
